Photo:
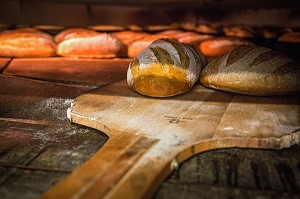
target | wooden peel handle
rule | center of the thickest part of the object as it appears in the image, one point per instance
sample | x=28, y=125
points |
x=99, y=174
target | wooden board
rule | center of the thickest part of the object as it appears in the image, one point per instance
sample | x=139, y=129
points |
x=150, y=137
x=35, y=154
x=88, y=71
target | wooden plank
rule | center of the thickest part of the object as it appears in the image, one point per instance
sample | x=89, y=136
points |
x=31, y=99
x=84, y=71
x=3, y=63
x=183, y=126
x=34, y=154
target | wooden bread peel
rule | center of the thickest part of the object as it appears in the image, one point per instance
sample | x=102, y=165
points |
x=150, y=137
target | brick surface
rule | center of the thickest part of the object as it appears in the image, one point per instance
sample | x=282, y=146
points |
x=3, y=63
x=79, y=71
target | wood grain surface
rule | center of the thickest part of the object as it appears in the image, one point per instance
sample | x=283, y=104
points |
x=175, y=129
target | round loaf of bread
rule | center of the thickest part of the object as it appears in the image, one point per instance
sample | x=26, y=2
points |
x=254, y=71
x=165, y=68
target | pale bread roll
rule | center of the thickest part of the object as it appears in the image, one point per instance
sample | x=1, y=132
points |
x=26, y=42
x=86, y=43
x=165, y=68
x=253, y=71
x=74, y=33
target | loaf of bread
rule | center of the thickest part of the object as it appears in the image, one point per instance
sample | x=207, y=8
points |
x=293, y=37
x=137, y=46
x=87, y=43
x=128, y=37
x=74, y=33
x=254, y=71
x=165, y=68
x=239, y=31
x=218, y=46
x=26, y=42
x=207, y=29
x=186, y=37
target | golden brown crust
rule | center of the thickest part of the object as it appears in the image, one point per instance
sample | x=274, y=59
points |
x=253, y=71
x=26, y=42
x=152, y=82
x=218, y=46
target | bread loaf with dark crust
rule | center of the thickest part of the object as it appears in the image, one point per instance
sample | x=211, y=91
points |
x=165, y=68
x=26, y=42
x=254, y=71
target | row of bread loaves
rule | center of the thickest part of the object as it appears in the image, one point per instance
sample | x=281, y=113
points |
x=167, y=67
x=73, y=42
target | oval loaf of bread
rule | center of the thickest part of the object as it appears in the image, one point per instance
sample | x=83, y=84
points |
x=165, y=68
x=254, y=71
x=85, y=43
x=26, y=42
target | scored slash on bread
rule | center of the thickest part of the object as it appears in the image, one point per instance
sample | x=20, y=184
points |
x=254, y=71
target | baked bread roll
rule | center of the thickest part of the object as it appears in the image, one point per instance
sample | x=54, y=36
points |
x=74, y=33
x=86, y=43
x=218, y=46
x=206, y=29
x=128, y=37
x=165, y=68
x=26, y=42
x=293, y=37
x=239, y=31
x=186, y=37
x=253, y=71
x=137, y=46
